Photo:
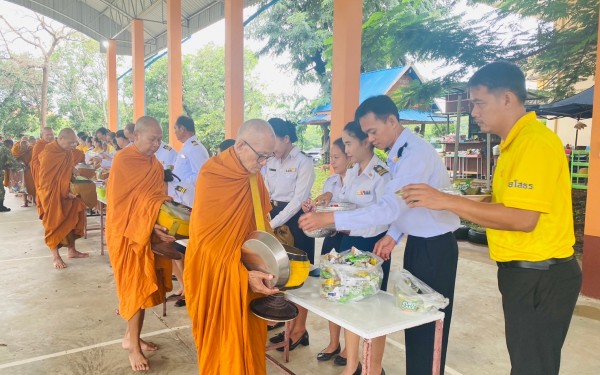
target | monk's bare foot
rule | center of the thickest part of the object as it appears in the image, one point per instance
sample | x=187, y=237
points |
x=138, y=361
x=58, y=262
x=72, y=253
x=147, y=346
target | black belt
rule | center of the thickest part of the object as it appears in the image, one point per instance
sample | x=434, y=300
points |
x=542, y=265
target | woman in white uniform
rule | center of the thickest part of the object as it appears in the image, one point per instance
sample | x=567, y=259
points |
x=289, y=177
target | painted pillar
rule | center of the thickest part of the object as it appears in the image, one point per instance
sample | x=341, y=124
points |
x=234, y=67
x=591, y=236
x=137, y=54
x=345, y=85
x=112, y=102
x=175, y=83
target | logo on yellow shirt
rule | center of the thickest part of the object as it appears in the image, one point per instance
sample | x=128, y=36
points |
x=520, y=185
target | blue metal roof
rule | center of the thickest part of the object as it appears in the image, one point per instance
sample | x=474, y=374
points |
x=420, y=117
x=377, y=82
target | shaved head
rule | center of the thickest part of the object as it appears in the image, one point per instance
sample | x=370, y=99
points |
x=254, y=144
x=47, y=134
x=147, y=135
x=67, y=139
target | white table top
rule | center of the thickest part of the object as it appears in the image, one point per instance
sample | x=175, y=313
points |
x=372, y=317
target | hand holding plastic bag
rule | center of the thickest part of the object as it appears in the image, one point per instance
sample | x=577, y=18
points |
x=413, y=295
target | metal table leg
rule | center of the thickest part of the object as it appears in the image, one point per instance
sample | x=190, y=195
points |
x=101, y=209
x=437, y=347
x=366, y=363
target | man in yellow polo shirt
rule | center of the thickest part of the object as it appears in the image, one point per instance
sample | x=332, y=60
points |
x=530, y=221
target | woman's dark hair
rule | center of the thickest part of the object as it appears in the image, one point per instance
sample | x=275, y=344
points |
x=283, y=128
x=120, y=134
x=340, y=144
x=354, y=130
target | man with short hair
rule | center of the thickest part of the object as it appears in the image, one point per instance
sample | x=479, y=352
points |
x=136, y=182
x=188, y=163
x=529, y=222
x=22, y=151
x=229, y=338
x=128, y=131
x=63, y=213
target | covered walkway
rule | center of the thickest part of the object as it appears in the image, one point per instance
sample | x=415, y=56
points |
x=64, y=322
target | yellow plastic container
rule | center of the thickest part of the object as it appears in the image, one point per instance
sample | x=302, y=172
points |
x=299, y=267
x=175, y=217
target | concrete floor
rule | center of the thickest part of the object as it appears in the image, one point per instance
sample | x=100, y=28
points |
x=64, y=322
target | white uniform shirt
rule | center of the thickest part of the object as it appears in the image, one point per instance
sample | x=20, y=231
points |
x=289, y=180
x=333, y=185
x=188, y=163
x=366, y=189
x=411, y=160
x=166, y=155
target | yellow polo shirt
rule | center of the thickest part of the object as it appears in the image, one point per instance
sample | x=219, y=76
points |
x=533, y=174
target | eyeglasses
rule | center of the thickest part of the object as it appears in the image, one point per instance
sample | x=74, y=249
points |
x=260, y=157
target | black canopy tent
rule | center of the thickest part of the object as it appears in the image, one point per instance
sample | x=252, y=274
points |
x=578, y=106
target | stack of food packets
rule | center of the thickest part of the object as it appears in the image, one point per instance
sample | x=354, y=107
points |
x=350, y=275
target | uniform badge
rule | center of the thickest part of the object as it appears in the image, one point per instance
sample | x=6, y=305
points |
x=291, y=170
x=380, y=170
x=167, y=147
x=180, y=189
x=272, y=170
x=399, y=153
x=363, y=192
x=195, y=143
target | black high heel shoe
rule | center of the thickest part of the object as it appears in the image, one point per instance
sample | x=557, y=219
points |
x=278, y=338
x=303, y=340
x=358, y=370
x=327, y=356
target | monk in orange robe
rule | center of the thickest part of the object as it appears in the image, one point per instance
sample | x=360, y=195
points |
x=64, y=213
x=135, y=192
x=47, y=138
x=22, y=152
x=229, y=338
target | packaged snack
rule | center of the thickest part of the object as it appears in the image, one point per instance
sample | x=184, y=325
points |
x=350, y=275
x=413, y=295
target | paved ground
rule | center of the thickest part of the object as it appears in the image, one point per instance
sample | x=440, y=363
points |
x=64, y=322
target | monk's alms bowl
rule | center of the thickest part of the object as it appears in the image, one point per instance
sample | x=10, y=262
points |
x=175, y=217
x=330, y=229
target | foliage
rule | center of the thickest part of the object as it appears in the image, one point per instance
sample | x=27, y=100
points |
x=320, y=176
x=18, y=98
x=562, y=51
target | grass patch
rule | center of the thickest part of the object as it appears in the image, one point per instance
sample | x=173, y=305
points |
x=320, y=177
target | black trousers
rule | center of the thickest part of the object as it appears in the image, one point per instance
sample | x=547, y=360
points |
x=332, y=242
x=433, y=260
x=301, y=240
x=538, y=306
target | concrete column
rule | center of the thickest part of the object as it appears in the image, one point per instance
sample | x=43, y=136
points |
x=234, y=67
x=137, y=54
x=175, y=67
x=112, y=102
x=591, y=237
x=345, y=84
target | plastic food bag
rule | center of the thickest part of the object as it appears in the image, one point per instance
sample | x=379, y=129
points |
x=17, y=181
x=350, y=276
x=413, y=295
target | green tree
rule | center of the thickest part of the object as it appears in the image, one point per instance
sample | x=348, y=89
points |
x=78, y=82
x=562, y=51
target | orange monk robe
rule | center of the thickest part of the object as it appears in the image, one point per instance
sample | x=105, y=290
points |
x=135, y=192
x=78, y=156
x=24, y=156
x=35, y=169
x=229, y=338
x=61, y=214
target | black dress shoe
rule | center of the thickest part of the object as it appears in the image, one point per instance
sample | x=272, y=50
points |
x=278, y=338
x=180, y=302
x=277, y=325
x=327, y=356
x=358, y=370
x=340, y=361
x=302, y=340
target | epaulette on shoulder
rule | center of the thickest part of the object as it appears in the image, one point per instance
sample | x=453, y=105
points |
x=180, y=189
x=195, y=143
x=380, y=170
x=167, y=147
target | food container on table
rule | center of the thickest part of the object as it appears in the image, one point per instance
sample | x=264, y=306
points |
x=175, y=217
x=86, y=170
x=330, y=229
x=263, y=252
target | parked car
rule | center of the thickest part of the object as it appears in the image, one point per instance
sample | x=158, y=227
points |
x=315, y=154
